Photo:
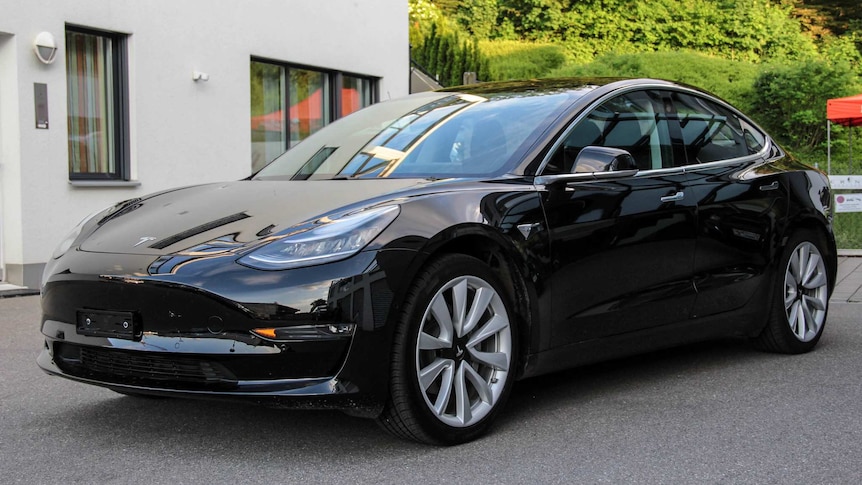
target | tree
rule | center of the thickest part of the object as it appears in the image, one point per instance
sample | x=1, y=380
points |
x=790, y=101
x=532, y=19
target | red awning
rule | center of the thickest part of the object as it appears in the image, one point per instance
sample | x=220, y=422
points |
x=845, y=111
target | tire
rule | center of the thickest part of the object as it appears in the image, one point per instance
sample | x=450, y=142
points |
x=801, y=298
x=454, y=354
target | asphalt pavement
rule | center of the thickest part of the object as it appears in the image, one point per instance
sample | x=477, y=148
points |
x=717, y=412
x=848, y=285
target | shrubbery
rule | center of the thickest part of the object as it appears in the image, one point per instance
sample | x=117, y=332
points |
x=519, y=60
x=731, y=80
x=790, y=100
x=447, y=55
x=757, y=54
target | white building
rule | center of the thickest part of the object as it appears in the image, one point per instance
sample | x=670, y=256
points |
x=146, y=95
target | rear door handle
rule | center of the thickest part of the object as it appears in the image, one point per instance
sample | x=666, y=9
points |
x=673, y=198
x=772, y=186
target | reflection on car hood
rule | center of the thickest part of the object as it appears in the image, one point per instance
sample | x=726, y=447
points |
x=226, y=213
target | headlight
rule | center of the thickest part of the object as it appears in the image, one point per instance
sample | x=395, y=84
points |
x=66, y=243
x=69, y=240
x=328, y=240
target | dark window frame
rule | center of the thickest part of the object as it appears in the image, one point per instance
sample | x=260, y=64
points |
x=120, y=91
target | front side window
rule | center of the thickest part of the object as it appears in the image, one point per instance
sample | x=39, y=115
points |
x=289, y=103
x=97, y=125
x=634, y=122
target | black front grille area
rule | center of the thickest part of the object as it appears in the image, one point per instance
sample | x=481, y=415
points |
x=142, y=368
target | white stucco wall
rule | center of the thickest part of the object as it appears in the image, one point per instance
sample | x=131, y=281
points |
x=182, y=132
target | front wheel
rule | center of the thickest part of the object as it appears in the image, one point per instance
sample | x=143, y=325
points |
x=800, y=305
x=454, y=354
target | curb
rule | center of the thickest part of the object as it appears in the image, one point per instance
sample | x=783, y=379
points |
x=18, y=292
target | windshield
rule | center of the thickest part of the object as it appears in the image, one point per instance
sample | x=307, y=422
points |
x=430, y=135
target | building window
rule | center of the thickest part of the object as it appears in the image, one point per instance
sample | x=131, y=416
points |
x=289, y=103
x=96, y=84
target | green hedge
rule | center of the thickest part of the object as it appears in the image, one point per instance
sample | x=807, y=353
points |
x=510, y=59
x=731, y=80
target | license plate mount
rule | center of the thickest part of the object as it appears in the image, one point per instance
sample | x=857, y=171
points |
x=110, y=324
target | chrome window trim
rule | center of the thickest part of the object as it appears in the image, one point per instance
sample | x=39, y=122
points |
x=582, y=177
x=684, y=168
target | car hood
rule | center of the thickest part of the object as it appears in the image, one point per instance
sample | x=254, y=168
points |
x=214, y=216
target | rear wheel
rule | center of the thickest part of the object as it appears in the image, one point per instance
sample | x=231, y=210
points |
x=454, y=354
x=801, y=299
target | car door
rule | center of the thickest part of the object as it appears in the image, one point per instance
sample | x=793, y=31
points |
x=622, y=244
x=741, y=203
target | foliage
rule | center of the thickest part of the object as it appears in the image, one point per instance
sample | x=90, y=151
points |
x=832, y=16
x=790, y=100
x=422, y=15
x=848, y=230
x=752, y=30
x=509, y=59
x=478, y=17
x=531, y=19
x=447, y=55
x=842, y=49
x=731, y=80
x=777, y=60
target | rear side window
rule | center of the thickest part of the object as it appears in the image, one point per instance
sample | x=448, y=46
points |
x=712, y=132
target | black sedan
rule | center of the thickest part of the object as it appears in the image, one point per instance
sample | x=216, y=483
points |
x=410, y=262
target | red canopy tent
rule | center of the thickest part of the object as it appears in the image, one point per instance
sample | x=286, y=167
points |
x=846, y=112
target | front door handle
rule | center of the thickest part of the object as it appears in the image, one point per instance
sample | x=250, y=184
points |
x=673, y=198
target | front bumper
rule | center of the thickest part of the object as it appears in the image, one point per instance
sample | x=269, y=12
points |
x=196, y=376
x=195, y=337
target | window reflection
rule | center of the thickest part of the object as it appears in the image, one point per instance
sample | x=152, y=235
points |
x=634, y=122
x=309, y=103
x=437, y=135
x=289, y=104
x=268, y=127
x=711, y=132
x=355, y=94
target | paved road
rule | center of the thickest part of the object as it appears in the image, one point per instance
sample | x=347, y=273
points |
x=710, y=413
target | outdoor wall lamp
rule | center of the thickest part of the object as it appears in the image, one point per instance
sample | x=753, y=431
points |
x=45, y=47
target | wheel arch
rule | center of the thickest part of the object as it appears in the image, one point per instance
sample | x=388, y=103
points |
x=820, y=227
x=503, y=258
x=810, y=209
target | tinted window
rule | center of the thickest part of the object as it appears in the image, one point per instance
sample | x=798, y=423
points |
x=634, y=122
x=712, y=132
x=437, y=135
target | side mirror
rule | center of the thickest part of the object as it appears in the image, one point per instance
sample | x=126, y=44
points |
x=603, y=159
